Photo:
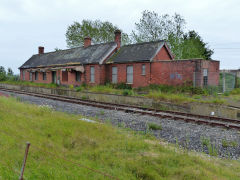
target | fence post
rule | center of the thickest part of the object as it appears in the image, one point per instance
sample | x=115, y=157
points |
x=24, y=160
x=224, y=85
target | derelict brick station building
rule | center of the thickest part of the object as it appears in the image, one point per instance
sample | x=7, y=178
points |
x=138, y=64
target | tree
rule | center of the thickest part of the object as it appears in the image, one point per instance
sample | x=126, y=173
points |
x=2, y=74
x=99, y=31
x=194, y=47
x=9, y=72
x=152, y=27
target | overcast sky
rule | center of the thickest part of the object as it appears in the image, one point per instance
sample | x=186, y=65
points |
x=27, y=24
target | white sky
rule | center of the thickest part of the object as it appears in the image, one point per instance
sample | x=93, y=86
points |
x=27, y=24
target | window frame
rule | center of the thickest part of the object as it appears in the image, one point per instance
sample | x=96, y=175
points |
x=92, y=74
x=44, y=76
x=128, y=82
x=36, y=75
x=65, y=76
x=78, y=76
x=115, y=75
x=23, y=75
x=144, y=69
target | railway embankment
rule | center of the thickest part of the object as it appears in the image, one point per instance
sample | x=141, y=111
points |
x=219, y=110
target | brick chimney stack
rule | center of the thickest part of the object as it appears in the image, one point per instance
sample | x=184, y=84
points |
x=87, y=41
x=118, y=38
x=40, y=50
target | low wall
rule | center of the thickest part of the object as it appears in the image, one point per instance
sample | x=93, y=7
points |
x=195, y=108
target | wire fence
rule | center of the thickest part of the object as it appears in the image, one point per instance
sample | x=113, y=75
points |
x=228, y=81
x=55, y=156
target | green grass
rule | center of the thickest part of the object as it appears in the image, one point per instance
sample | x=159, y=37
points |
x=121, y=153
x=177, y=95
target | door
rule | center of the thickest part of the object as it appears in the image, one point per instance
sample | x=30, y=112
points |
x=54, y=77
x=129, y=74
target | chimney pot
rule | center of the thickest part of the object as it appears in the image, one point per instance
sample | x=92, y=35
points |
x=118, y=38
x=40, y=50
x=87, y=42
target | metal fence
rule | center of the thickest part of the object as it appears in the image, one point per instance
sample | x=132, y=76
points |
x=228, y=81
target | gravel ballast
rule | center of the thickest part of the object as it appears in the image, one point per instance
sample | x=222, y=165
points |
x=215, y=141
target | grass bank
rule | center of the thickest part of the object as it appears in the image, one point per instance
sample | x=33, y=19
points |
x=56, y=137
x=178, y=94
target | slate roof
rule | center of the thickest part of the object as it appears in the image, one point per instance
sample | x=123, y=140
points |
x=137, y=52
x=90, y=55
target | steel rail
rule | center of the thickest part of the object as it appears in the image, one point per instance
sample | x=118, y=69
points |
x=175, y=115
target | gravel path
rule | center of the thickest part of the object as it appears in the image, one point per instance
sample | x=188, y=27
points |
x=212, y=140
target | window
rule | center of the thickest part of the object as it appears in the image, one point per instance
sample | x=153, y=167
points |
x=114, y=74
x=36, y=75
x=92, y=74
x=30, y=76
x=205, y=77
x=44, y=76
x=129, y=74
x=143, y=69
x=64, y=76
x=23, y=75
x=78, y=76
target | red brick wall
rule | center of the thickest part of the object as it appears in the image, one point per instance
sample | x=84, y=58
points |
x=172, y=72
x=138, y=79
x=162, y=55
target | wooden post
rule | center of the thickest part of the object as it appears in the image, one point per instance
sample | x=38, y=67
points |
x=24, y=160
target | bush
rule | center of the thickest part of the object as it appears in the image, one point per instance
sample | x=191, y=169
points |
x=122, y=86
x=154, y=126
x=79, y=88
x=126, y=92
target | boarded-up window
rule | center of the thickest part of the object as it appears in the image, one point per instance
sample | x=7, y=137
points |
x=92, y=74
x=78, y=76
x=44, y=76
x=64, y=76
x=143, y=69
x=114, y=74
x=23, y=74
x=205, y=77
x=36, y=75
x=130, y=74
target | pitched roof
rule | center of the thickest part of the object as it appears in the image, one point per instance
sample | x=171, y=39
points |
x=137, y=52
x=90, y=55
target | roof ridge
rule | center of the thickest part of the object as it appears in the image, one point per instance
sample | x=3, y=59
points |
x=144, y=43
x=74, y=48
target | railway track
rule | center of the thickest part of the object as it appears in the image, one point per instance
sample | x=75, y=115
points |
x=175, y=115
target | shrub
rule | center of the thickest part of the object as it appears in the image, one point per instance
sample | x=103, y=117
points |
x=79, y=88
x=126, y=92
x=71, y=87
x=154, y=126
x=122, y=86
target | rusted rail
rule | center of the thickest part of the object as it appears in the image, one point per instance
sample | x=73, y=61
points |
x=175, y=115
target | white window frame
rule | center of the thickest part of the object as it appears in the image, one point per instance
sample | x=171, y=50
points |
x=143, y=69
x=130, y=74
x=114, y=74
x=92, y=74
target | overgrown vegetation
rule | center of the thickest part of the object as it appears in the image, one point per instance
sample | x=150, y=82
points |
x=121, y=153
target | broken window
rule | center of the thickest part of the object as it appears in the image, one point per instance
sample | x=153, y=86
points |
x=205, y=77
x=78, y=76
x=114, y=74
x=129, y=74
